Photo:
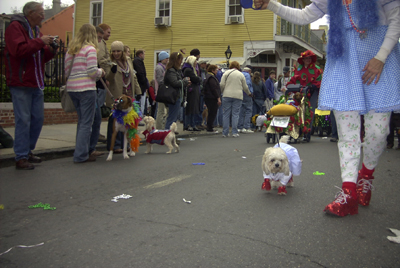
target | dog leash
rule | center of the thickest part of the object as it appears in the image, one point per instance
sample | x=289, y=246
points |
x=105, y=86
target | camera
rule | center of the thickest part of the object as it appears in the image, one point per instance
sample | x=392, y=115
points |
x=54, y=45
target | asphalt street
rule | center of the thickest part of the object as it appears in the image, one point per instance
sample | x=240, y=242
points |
x=230, y=222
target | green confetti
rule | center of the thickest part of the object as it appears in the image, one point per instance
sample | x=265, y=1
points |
x=317, y=173
x=44, y=206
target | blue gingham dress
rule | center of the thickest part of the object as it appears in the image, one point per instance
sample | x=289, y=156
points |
x=342, y=88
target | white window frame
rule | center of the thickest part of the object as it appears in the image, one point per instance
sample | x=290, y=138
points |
x=227, y=14
x=92, y=2
x=156, y=58
x=170, y=11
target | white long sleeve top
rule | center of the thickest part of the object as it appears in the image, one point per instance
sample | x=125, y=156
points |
x=389, y=14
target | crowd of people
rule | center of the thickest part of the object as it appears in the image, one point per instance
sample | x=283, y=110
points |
x=360, y=85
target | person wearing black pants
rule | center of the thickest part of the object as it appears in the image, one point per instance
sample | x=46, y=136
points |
x=212, y=95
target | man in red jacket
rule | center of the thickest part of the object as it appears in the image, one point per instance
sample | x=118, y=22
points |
x=26, y=52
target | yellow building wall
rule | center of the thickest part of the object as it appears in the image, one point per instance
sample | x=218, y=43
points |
x=193, y=25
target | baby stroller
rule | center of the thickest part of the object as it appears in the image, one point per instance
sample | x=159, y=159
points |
x=299, y=123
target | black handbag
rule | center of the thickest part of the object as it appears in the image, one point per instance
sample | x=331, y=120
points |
x=105, y=111
x=166, y=94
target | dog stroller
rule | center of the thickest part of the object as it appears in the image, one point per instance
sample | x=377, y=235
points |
x=299, y=123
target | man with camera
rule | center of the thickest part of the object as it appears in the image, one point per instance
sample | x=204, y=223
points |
x=27, y=50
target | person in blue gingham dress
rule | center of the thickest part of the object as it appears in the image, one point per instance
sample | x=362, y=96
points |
x=361, y=77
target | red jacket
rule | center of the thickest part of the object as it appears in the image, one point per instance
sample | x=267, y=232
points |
x=19, y=51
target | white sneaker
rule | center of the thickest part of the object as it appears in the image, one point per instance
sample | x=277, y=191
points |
x=243, y=130
x=235, y=135
x=224, y=136
x=249, y=131
x=239, y=130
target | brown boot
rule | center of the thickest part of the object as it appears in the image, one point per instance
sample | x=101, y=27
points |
x=91, y=158
x=24, y=164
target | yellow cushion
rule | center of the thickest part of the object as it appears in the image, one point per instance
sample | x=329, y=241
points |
x=322, y=112
x=283, y=110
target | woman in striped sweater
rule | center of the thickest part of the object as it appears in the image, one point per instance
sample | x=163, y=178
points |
x=81, y=58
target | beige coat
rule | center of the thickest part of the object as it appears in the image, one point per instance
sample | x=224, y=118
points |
x=232, y=86
x=103, y=57
x=117, y=85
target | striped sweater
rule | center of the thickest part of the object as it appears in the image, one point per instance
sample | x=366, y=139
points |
x=84, y=70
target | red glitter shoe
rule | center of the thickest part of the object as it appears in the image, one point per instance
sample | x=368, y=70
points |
x=343, y=205
x=364, y=187
x=282, y=190
x=266, y=185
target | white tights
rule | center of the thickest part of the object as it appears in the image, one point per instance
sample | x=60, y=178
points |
x=349, y=126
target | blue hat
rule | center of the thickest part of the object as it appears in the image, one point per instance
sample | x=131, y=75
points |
x=163, y=55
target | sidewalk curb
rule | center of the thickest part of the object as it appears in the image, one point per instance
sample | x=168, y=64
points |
x=63, y=152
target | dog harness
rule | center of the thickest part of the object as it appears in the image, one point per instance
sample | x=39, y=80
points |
x=281, y=177
x=156, y=136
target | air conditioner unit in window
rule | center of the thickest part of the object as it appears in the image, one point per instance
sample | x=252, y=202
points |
x=235, y=19
x=161, y=21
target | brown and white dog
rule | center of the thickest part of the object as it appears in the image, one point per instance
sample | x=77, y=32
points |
x=123, y=104
x=161, y=137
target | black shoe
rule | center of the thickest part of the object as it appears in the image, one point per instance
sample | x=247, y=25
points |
x=333, y=140
x=34, y=159
x=23, y=164
x=196, y=129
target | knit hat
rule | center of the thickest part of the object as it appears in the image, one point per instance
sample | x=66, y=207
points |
x=286, y=69
x=306, y=54
x=117, y=45
x=163, y=55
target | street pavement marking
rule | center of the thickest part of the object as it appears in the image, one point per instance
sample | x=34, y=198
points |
x=167, y=182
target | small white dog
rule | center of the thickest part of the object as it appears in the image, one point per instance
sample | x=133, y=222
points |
x=279, y=164
x=160, y=137
x=260, y=121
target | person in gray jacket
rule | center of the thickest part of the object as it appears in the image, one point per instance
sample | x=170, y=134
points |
x=162, y=110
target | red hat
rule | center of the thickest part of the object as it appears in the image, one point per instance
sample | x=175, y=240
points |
x=305, y=54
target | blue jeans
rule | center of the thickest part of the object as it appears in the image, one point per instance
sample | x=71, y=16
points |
x=85, y=104
x=29, y=116
x=218, y=120
x=246, y=111
x=173, y=111
x=94, y=137
x=101, y=96
x=190, y=120
x=231, y=107
x=198, y=118
x=258, y=107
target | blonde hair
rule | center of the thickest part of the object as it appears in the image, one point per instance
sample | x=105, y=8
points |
x=153, y=83
x=86, y=36
x=191, y=60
